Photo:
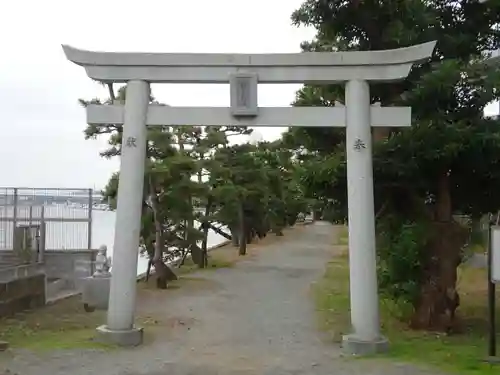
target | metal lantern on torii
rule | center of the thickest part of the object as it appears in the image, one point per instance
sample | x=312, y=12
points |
x=244, y=72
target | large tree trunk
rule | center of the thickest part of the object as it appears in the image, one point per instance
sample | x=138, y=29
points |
x=316, y=215
x=439, y=298
x=162, y=272
x=148, y=269
x=242, y=230
x=204, y=244
x=263, y=228
x=235, y=235
x=160, y=266
x=249, y=230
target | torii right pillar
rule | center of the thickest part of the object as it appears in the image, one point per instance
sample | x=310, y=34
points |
x=366, y=337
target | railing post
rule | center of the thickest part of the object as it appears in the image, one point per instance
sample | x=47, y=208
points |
x=89, y=232
x=14, y=217
x=43, y=232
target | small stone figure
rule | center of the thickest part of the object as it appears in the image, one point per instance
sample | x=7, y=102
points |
x=102, y=263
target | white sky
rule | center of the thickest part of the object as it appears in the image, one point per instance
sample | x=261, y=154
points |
x=42, y=143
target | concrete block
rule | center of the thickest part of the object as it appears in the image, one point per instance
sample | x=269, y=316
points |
x=95, y=292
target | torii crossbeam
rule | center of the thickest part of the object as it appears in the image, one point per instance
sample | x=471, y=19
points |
x=161, y=115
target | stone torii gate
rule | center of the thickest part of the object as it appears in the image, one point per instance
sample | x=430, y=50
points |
x=244, y=72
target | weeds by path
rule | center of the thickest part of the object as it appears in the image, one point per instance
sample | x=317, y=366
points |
x=458, y=354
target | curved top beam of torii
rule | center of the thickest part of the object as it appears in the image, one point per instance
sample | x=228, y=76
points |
x=306, y=67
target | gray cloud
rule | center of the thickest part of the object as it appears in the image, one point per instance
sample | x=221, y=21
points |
x=42, y=141
x=42, y=144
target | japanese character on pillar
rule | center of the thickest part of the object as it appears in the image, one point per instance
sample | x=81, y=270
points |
x=359, y=144
x=131, y=142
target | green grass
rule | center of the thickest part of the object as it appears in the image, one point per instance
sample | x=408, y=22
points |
x=60, y=326
x=223, y=257
x=457, y=354
x=65, y=324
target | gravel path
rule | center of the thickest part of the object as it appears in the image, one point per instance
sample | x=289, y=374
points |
x=255, y=318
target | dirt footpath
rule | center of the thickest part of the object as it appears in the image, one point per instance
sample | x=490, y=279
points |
x=254, y=318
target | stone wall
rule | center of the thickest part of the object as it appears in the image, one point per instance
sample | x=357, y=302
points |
x=70, y=265
x=17, y=272
x=8, y=258
x=22, y=294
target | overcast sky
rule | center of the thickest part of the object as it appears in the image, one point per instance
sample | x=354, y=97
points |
x=42, y=143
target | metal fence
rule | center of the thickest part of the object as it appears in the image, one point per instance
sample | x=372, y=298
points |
x=63, y=217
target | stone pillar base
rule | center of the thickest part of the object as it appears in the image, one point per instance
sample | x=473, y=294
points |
x=353, y=345
x=132, y=337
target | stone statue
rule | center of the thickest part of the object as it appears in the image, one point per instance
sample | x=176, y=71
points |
x=102, y=263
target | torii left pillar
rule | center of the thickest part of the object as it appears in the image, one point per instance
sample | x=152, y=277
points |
x=120, y=327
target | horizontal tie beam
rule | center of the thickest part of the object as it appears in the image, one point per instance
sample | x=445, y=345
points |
x=159, y=115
